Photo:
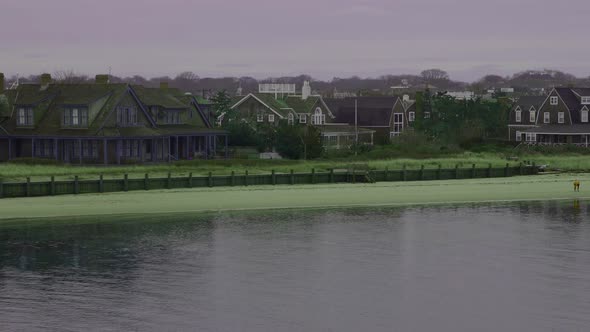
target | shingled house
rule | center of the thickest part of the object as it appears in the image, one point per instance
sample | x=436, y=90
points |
x=523, y=116
x=562, y=118
x=280, y=102
x=104, y=123
x=387, y=116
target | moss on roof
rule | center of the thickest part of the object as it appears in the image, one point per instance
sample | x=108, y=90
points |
x=101, y=99
x=165, y=98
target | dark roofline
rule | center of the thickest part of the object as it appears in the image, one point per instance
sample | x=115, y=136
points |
x=196, y=104
x=145, y=112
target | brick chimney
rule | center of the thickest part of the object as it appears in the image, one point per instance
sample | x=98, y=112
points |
x=1, y=82
x=101, y=79
x=45, y=79
x=164, y=85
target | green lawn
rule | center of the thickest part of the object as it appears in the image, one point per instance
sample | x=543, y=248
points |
x=542, y=187
x=18, y=172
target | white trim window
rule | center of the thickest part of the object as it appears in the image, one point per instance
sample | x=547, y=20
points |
x=561, y=117
x=24, y=117
x=531, y=137
x=259, y=117
x=585, y=100
x=302, y=118
x=518, y=136
x=532, y=116
x=546, y=117
x=518, y=116
x=317, y=117
x=585, y=115
x=271, y=118
x=290, y=119
x=411, y=116
x=553, y=100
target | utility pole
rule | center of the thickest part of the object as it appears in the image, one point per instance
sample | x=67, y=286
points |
x=356, y=130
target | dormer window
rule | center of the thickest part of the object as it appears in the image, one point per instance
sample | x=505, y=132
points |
x=318, y=117
x=302, y=118
x=75, y=117
x=546, y=117
x=172, y=117
x=24, y=117
x=532, y=116
x=518, y=115
x=586, y=100
x=553, y=100
x=585, y=115
x=561, y=117
x=127, y=116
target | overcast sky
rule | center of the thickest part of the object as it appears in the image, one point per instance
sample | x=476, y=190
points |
x=323, y=38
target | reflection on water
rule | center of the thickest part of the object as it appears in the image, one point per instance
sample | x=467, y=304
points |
x=522, y=267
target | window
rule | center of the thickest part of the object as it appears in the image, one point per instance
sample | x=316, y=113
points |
x=532, y=116
x=531, y=137
x=24, y=117
x=271, y=118
x=317, y=118
x=553, y=100
x=44, y=148
x=398, y=124
x=546, y=117
x=518, y=116
x=259, y=117
x=561, y=117
x=302, y=118
x=89, y=149
x=172, y=117
x=586, y=100
x=411, y=116
x=518, y=136
x=426, y=115
x=290, y=119
x=584, y=115
x=130, y=148
x=127, y=116
x=75, y=117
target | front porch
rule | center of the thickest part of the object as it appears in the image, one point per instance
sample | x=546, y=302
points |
x=120, y=150
x=555, y=139
x=339, y=137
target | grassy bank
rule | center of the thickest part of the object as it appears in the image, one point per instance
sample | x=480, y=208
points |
x=18, y=172
x=541, y=187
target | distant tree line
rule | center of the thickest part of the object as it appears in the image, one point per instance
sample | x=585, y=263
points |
x=434, y=78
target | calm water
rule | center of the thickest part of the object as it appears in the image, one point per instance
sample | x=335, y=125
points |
x=521, y=267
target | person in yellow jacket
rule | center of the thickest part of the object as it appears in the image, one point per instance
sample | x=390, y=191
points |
x=576, y=185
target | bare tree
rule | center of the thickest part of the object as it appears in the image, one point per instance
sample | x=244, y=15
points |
x=434, y=75
x=69, y=77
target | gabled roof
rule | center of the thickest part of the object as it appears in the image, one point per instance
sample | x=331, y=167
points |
x=283, y=106
x=101, y=100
